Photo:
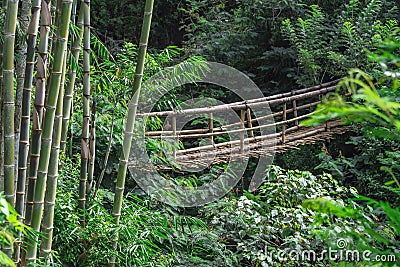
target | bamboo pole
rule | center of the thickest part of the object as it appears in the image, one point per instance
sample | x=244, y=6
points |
x=54, y=89
x=21, y=53
x=26, y=113
x=8, y=99
x=51, y=185
x=26, y=109
x=122, y=167
x=8, y=105
x=69, y=91
x=37, y=114
x=4, y=6
x=85, y=152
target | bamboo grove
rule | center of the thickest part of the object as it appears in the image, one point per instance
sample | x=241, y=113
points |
x=38, y=79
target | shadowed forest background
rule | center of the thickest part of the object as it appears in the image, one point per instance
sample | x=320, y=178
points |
x=77, y=68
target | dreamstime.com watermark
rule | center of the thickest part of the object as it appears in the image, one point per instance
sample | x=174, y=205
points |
x=341, y=253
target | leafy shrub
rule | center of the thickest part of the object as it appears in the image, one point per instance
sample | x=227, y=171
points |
x=255, y=226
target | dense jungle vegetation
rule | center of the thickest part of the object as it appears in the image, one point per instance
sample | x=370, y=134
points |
x=70, y=69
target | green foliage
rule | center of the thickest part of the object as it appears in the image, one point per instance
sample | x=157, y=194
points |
x=119, y=21
x=379, y=234
x=9, y=228
x=112, y=79
x=244, y=34
x=328, y=46
x=378, y=113
x=149, y=234
x=370, y=169
x=256, y=226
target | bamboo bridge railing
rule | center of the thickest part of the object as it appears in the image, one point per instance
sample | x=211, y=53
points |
x=282, y=124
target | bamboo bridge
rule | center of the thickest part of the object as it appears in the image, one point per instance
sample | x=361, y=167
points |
x=252, y=133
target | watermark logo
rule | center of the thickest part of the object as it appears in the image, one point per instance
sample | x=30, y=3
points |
x=140, y=165
x=340, y=253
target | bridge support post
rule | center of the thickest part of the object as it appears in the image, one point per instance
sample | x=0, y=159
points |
x=249, y=123
x=296, y=122
x=284, y=123
x=242, y=126
x=327, y=126
x=175, y=137
x=211, y=127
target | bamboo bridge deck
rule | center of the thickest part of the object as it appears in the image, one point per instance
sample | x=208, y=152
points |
x=263, y=126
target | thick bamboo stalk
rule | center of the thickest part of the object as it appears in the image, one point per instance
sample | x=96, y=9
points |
x=26, y=112
x=8, y=105
x=24, y=18
x=85, y=152
x=8, y=100
x=51, y=184
x=26, y=109
x=4, y=6
x=73, y=14
x=38, y=110
x=69, y=91
x=122, y=167
x=54, y=88
x=1, y=111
